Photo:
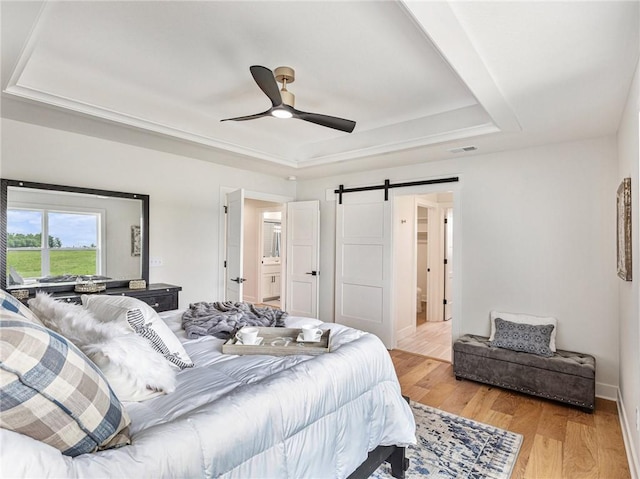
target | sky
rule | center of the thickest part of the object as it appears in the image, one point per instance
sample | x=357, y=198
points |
x=74, y=230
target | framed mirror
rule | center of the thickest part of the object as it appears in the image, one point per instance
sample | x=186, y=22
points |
x=54, y=236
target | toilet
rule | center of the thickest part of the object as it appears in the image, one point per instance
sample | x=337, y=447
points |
x=418, y=300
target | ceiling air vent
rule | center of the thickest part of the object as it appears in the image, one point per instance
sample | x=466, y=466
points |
x=463, y=149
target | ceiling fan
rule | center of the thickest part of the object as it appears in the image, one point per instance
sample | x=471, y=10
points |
x=282, y=100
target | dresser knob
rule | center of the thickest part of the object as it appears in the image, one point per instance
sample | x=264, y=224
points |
x=155, y=305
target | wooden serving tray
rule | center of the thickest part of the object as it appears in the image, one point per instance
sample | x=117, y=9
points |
x=279, y=342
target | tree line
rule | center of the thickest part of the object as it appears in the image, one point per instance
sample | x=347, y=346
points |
x=31, y=240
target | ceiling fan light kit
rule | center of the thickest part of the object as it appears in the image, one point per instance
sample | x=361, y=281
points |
x=283, y=101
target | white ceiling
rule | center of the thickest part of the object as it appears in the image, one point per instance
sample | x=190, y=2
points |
x=419, y=78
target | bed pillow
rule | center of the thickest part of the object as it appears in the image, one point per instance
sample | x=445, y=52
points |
x=9, y=302
x=528, y=338
x=135, y=371
x=144, y=320
x=51, y=392
x=526, y=319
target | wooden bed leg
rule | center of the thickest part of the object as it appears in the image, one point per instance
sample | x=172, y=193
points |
x=399, y=463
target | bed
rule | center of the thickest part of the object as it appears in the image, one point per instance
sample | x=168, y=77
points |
x=335, y=415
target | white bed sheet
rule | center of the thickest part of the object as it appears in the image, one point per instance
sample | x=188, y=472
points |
x=248, y=416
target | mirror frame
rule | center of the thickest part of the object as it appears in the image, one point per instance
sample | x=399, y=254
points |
x=144, y=254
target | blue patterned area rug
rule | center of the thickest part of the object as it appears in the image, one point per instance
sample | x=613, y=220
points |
x=453, y=447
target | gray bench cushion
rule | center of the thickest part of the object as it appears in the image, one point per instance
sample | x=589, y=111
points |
x=566, y=376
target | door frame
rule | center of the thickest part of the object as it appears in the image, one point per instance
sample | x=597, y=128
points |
x=222, y=229
x=456, y=189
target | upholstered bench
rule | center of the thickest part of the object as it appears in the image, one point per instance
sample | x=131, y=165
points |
x=566, y=376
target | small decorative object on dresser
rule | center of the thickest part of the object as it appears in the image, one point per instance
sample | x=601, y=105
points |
x=137, y=284
x=89, y=287
x=20, y=293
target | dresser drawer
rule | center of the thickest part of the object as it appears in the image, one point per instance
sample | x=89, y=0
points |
x=160, y=302
x=161, y=296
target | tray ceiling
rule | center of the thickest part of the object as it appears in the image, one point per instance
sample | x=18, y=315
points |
x=411, y=74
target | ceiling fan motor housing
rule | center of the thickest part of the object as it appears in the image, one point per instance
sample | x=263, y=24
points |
x=286, y=75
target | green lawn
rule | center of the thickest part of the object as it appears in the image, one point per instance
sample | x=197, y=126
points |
x=27, y=263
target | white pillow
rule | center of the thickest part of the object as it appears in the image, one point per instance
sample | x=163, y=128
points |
x=133, y=369
x=524, y=319
x=144, y=320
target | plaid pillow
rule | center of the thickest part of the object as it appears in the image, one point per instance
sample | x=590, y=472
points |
x=13, y=304
x=51, y=392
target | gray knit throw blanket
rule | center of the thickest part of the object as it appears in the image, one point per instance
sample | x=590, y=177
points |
x=223, y=319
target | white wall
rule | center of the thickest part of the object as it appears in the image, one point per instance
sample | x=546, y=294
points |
x=629, y=157
x=535, y=233
x=184, y=194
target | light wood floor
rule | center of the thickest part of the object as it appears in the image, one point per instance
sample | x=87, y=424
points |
x=559, y=441
x=431, y=339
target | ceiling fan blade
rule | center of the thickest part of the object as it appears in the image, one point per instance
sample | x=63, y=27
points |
x=326, y=120
x=249, y=117
x=267, y=83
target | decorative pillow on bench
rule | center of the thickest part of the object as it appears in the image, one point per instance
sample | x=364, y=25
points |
x=526, y=319
x=528, y=338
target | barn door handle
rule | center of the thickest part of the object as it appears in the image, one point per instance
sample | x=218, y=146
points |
x=314, y=273
x=238, y=280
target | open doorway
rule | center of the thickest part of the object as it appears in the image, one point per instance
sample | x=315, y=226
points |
x=288, y=272
x=423, y=244
x=263, y=252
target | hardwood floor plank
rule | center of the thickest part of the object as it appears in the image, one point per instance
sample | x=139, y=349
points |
x=553, y=421
x=507, y=402
x=612, y=457
x=481, y=403
x=525, y=421
x=545, y=459
x=558, y=440
x=580, y=452
x=460, y=397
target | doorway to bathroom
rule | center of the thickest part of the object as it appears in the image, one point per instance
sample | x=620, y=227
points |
x=423, y=254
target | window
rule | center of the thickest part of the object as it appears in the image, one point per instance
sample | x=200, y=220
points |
x=45, y=243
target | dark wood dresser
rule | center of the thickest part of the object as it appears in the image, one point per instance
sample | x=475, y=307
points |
x=160, y=296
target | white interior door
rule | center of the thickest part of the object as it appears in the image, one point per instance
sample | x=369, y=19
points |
x=234, y=242
x=303, y=257
x=363, y=264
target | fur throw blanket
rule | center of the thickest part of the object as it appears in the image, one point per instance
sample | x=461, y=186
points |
x=223, y=319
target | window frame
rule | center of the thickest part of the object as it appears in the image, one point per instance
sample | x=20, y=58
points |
x=45, y=249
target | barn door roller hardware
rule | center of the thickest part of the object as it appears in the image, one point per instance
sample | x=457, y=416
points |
x=387, y=186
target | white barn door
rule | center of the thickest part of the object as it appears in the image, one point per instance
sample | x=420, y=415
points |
x=363, y=264
x=303, y=257
x=235, y=241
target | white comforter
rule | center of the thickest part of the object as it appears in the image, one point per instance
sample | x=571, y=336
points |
x=248, y=416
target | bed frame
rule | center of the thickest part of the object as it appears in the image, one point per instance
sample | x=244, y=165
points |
x=394, y=455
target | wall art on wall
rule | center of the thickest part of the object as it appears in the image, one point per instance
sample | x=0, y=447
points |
x=136, y=241
x=624, y=229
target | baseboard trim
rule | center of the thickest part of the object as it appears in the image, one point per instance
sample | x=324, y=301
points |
x=625, y=425
x=607, y=391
